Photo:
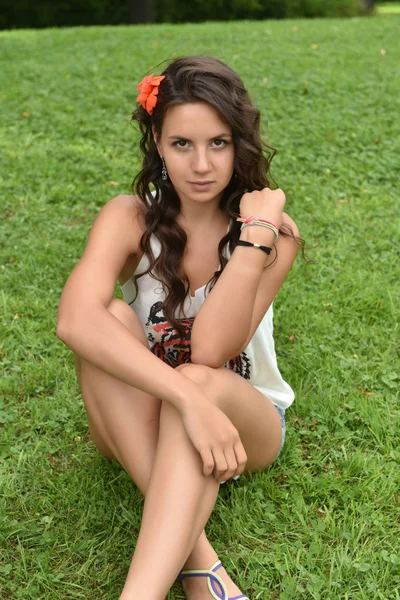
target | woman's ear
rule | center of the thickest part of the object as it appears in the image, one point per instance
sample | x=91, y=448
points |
x=156, y=139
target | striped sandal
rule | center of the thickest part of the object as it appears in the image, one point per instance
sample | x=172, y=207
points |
x=212, y=580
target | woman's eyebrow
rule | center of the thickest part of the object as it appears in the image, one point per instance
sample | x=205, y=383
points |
x=182, y=137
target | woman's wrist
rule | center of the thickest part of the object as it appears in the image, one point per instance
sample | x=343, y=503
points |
x=186, y=394
x=257, y=234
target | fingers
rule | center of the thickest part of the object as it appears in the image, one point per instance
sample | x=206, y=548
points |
x=221, y=463
x=225, y=457
x=241, y=458
x=208, y=462
x=229, y=462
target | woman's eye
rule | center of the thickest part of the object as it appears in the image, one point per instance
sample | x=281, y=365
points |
x=182, y=144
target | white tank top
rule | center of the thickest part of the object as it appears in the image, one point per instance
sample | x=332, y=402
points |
x=257, y=363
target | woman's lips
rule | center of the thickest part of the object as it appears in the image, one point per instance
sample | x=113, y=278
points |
x=201, y=186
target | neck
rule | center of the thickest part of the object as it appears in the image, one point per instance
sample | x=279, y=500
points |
x=195, y=216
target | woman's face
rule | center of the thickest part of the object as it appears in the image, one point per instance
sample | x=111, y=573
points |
x=197, y=146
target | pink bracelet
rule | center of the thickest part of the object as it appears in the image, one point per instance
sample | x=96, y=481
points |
x=249, y=219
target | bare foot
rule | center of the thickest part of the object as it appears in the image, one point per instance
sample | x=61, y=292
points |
x=196, y=588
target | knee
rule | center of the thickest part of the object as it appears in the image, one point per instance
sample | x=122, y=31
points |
x=199, y=374
x=123, y=312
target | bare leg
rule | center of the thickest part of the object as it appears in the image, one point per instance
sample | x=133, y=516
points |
x=126, y=429
x=178, y=503
x=180, y=499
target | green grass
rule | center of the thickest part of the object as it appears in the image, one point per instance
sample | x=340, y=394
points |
x=321, y=523
x=388, y=8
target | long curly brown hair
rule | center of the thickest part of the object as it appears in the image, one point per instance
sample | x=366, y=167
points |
x=196, y=79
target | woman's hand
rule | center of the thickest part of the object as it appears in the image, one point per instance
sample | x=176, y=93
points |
x=266, y=204
x=215, y=438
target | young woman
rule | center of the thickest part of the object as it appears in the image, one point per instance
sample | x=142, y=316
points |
x=180, y=381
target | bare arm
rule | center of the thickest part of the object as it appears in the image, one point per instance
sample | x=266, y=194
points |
x=234, y=308
x=89, y=329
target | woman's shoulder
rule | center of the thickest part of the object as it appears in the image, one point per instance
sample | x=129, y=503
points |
x=130, y=212
x=129, y=206
x=130, y=202
x=133, y=202
x=119, y=224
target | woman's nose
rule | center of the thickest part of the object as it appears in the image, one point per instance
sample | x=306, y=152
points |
x=201, y=161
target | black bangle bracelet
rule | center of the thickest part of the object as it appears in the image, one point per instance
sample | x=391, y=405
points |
x=266, y=249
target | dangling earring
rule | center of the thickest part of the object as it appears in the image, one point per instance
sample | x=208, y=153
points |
x=164, y=173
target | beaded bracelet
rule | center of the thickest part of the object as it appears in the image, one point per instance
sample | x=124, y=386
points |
x=267, y=225
x=266, y=249
x=256, y=221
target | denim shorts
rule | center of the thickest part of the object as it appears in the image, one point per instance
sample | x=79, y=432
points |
x=281, y=413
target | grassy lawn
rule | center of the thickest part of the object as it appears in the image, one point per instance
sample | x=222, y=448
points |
x=323, y=521
x=388, y=8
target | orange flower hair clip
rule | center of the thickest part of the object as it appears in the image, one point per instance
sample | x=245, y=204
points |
x=148, y=89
